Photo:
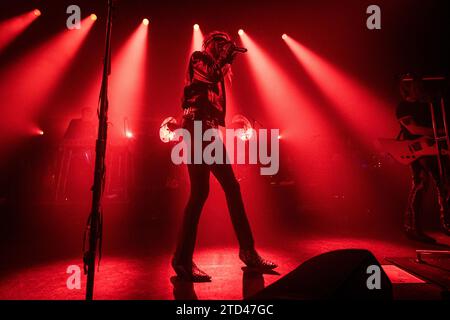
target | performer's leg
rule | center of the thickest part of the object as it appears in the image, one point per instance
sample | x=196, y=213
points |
x=182, y=261
x=247, y=253
x=199, y=189
x=225, y=175
x=415, y=198
x=411, y=223
x=443, y=189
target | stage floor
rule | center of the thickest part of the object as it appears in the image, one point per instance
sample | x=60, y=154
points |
x=149, y=276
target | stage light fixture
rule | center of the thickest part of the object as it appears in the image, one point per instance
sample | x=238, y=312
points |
x=241, y=32
x=167, y=128
x=244, y=134
x=129, y=134
x=197, y=39
x=37, y=12
x=145, y=22
x=12, y=27
x=284, y=36
x=242, y=126
x=93, y=17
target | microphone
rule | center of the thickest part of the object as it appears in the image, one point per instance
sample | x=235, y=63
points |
x=240, y=49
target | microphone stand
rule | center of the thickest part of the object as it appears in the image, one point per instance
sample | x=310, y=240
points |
x=95, y=220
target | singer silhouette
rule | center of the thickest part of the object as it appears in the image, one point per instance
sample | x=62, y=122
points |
x=204, y=100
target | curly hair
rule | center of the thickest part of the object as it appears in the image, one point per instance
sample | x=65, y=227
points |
x=215, y=35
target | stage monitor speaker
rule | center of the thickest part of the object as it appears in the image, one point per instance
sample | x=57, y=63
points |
x=341, y=274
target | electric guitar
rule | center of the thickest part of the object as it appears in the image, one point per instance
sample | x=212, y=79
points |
x=407, y=151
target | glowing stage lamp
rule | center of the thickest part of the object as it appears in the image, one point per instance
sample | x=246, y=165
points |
x=145, y=22
x=241, y=32
x=167, y=129
x=12, y=27
x=284, y=36
x=197, y=39
x=243, y=127
x=244, y=134
x=93, y=17
x=129, y=134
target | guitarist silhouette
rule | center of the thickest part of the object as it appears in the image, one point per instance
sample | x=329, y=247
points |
x=415, y=118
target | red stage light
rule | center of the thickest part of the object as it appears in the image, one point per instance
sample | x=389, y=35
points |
x=356, y=104
x=93, y=17
x=145, y=22
x=241, y=32
x=129, y=134
x=166, y=130
x=243, y=127
x=128, y=81
x=197, y=39
x=37, y=131
x=40, y=72
x=13, y=27
x=244, y=134
x=284, y=36
x=283, y=98
x=293, y=111
x=37, y=12
x=349, y=110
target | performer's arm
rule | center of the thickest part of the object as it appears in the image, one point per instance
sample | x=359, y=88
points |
x=207, y=70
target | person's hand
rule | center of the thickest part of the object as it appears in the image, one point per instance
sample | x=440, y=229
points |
x=228, y=53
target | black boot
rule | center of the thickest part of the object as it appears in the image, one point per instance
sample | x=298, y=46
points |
x=189, y=272
x=445, y=222
x=411, y=225
x=253, y=260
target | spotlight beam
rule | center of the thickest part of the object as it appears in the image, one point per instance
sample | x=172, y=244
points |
x=129, y=78
x=283, y=98
x=40, y=72
x=300, y=118
x=10, y=29
x=197, y=39
x=360, y=108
